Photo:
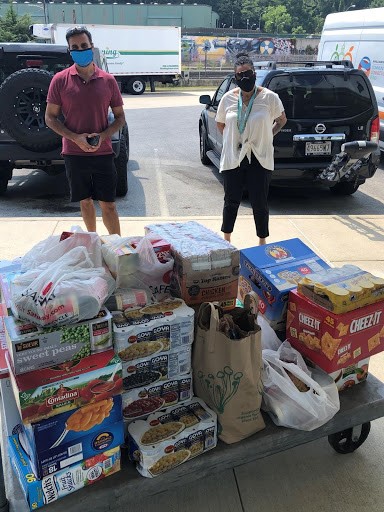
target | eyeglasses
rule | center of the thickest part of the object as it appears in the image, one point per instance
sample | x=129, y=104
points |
x=245, y=74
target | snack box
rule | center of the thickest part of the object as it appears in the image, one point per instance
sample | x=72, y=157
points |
x=42, y=492
x=155, y=368
x=272, y=270
x=120, y=257
x=334, y=341
x=350, y=375
x=50, y=391
x=32, y=347
x=206, y=267
x=342, y=289
x=72, y=436
x=172, y=436
x=156, y=328
x=140, y=402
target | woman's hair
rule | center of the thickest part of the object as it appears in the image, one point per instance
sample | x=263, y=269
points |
x=243, y=58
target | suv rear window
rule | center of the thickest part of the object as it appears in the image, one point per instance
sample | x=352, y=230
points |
x=323, y=95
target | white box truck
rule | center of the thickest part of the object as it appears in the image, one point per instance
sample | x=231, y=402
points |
x=135, y=55
x=358, y=36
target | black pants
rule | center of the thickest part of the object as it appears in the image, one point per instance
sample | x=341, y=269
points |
x=254, y=178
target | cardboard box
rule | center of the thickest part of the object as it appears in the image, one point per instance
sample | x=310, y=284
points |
x=171, y=437
x=32, y=347
x=271, y=271
x=140, y=402
x=334, y=341
x=44, y=393
x=42, y=492
x=53, y=445
x=342, y=289
x=206, y=266
x=351, y=375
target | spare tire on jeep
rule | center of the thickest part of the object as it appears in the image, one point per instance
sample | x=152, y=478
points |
x=23, y=100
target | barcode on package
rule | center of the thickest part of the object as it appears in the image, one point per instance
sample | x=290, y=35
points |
x=107, y=464
x=209, y=442
x=185, y=340
x=184, y=368
x=76, y=448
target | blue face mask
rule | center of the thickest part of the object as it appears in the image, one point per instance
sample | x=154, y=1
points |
x=82, y=57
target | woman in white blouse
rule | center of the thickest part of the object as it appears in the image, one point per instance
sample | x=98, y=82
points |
x=248, y=117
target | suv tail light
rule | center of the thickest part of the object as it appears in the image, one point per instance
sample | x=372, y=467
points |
x=375, y=130
x=34, y=63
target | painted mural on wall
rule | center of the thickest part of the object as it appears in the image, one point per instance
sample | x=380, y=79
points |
x=224, y=49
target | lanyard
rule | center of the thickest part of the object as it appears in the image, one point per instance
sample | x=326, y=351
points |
x=242, y=117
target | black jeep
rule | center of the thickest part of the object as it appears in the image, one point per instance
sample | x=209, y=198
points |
x=328, y=105
x=26, y=70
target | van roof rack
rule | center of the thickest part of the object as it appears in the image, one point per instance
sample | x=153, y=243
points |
x=272, y=64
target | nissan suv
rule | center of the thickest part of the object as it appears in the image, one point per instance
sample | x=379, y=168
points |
x=328, y=105
x=26, y=70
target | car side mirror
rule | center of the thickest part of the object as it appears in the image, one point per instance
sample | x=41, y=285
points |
x=205, y=99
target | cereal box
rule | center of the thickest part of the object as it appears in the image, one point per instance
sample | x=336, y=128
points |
x=331, y=341
x=70, y=479
x=140, y=402
x=32, y=347
x=44, y=393
x=172, y=436
x=272, y=270
x=342, y=289
x=72, y=436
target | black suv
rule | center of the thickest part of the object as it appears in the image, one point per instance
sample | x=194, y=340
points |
x=26, y=70
x=327, y=104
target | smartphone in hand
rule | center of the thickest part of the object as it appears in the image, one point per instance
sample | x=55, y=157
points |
x=93, y=141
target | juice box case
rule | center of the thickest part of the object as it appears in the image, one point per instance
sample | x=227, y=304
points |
x=272, y=270
x=172, y=436
x=72, y=436
x=140, y=402
x=334, y=341
x=52, y=487
x=50, y=391
x=32, y=347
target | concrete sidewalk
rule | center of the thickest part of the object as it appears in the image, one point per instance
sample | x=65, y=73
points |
x=310, y=478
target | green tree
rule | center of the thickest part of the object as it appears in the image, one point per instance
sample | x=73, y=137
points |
x=376, y=3
x=14, y=28
x=277, y=19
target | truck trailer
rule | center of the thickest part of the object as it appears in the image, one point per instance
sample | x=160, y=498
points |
x=135, y=55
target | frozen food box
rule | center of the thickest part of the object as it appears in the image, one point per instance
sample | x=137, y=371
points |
x=140, y=402
x=332, y=341
x=52, y=487
x=206, y=266
x=350, y=375
x=44, y=393
x=32, y=347
x=172, y=436
x=271, y=271
x=156, y=328
x=72, y=436
x=342, y=289
x=156, y=368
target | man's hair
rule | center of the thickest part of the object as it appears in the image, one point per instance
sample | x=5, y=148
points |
x=243, y=58
x=76, y=31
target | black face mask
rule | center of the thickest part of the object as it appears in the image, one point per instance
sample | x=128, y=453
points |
x=246, y=80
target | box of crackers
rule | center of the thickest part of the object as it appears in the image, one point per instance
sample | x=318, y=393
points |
x=342, y=289
x=271, y=271
x=332, y=341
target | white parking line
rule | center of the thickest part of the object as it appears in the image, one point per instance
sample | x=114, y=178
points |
x=164, y=211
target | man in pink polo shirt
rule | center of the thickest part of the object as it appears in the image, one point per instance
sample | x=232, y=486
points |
x=83, y=94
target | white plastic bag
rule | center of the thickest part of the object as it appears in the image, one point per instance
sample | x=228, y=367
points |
x=269, y=338
x=51, y=249
x=289, y=407
x=69, y=290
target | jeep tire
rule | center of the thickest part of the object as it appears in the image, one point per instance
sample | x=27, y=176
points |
x=121, y=162
x=23, y=100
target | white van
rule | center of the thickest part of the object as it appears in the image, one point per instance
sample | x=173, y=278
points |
x=358, y=36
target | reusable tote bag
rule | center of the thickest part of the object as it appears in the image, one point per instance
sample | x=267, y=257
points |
x=227, y=371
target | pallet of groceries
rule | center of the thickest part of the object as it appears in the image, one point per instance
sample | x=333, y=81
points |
x=161, y=344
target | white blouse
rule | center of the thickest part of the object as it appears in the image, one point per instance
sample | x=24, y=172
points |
x=257, y=137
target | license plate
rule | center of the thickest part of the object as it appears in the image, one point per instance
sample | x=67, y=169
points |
x=318, y=148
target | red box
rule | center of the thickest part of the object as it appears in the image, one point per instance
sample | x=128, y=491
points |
x=334, y=341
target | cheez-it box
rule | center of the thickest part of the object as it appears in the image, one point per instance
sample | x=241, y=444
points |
x=334, y=341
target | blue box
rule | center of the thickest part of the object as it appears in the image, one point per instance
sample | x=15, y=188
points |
x=42, y=492
x=271, y=271
x=39, y=438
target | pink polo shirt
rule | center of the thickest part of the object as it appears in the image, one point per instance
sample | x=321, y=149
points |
x=84, y=105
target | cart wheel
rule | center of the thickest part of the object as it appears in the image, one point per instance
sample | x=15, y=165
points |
x=349, y=440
